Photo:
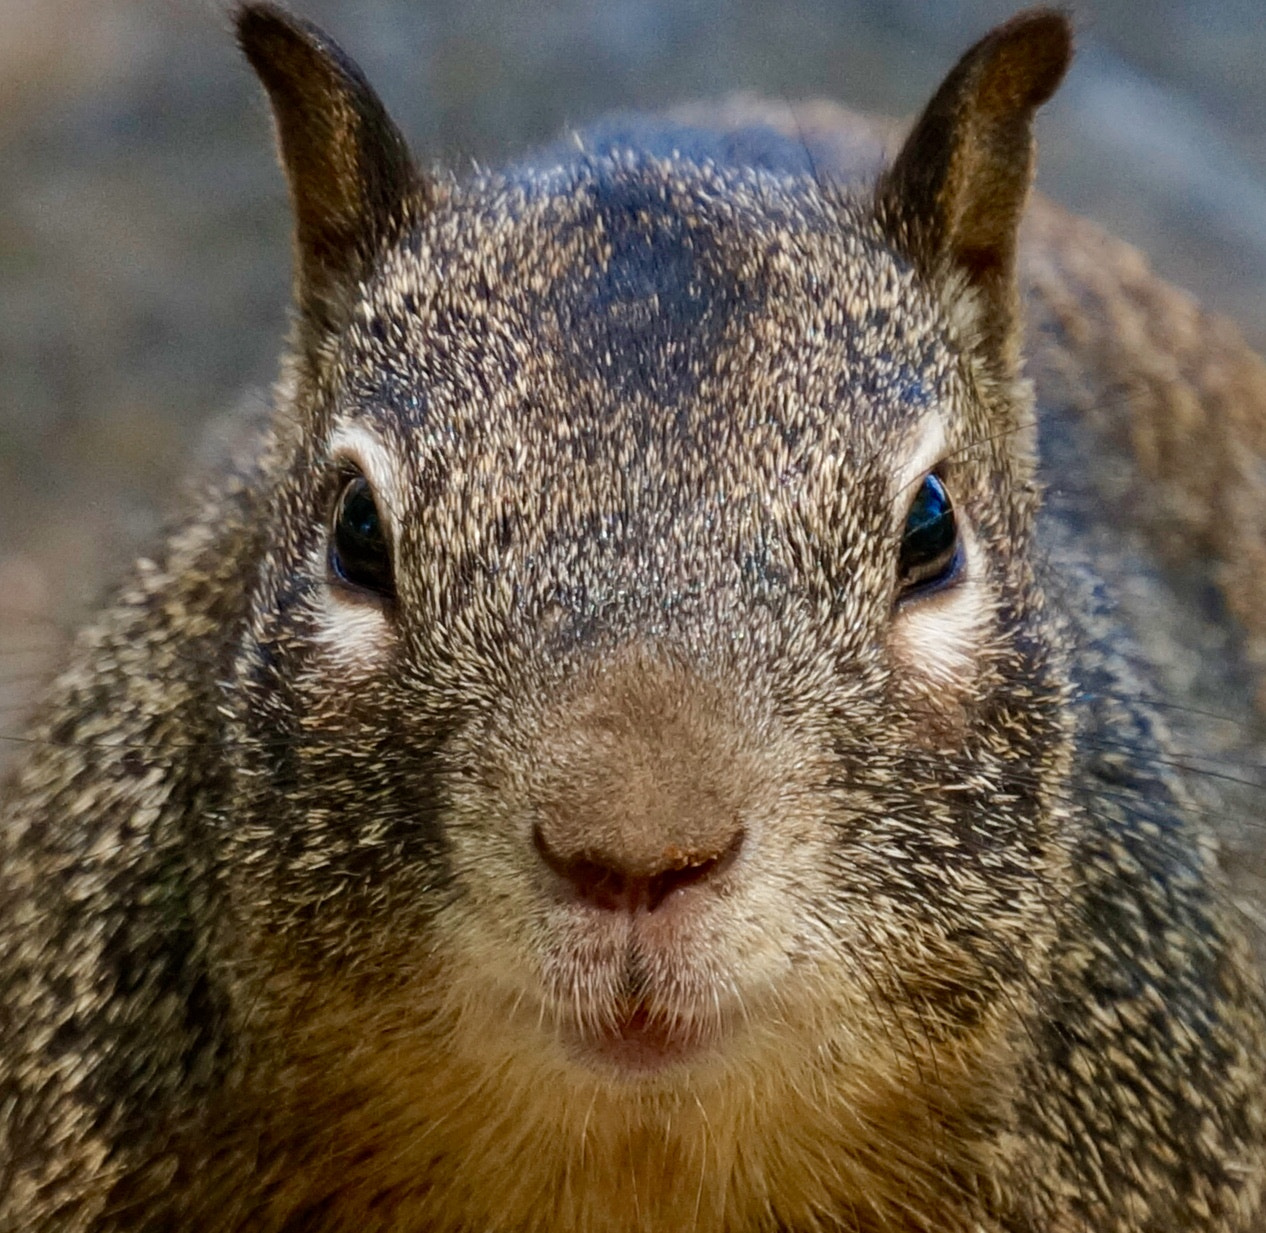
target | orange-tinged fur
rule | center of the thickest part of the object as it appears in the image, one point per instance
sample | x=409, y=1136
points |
x=469, y=1114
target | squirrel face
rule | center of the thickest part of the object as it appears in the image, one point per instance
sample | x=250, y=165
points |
x=596, y=734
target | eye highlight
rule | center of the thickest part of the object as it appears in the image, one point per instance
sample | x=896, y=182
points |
x=360, y=556
x=930, y=552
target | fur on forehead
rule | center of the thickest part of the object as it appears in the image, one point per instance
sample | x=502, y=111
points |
x=645, y=313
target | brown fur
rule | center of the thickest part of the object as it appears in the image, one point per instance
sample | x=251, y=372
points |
x=915, y=918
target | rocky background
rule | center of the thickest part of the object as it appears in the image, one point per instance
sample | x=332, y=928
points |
x=143, y=231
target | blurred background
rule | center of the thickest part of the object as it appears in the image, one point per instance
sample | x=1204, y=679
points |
x=143, y=229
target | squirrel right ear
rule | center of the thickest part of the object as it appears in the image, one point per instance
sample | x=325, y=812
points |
x=353, y=184
x=953, y=197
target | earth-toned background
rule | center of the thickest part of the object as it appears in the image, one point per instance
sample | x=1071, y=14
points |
x=143, y=231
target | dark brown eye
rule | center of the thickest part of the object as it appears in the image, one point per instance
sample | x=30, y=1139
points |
x=359, y=553
x=930, y=552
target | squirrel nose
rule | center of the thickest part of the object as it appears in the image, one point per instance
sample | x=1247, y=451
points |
x=643, y=784
x=621, y=882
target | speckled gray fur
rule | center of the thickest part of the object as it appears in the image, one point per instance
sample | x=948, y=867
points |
x=642, y=397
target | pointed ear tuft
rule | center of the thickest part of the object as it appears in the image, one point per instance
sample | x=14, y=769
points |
x=353, y=185
x=953, y=198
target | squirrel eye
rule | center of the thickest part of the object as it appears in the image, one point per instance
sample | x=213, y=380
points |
x=929, y=543
x=359, y=553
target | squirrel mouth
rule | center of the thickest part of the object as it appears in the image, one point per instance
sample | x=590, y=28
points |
x=639, y=1041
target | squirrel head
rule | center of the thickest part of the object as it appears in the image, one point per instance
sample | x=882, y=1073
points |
x=647, y=686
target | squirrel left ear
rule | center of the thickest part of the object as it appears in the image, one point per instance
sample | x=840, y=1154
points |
x=353, y=185
x=953, y=198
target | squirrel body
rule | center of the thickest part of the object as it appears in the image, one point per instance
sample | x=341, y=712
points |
x=628, y=749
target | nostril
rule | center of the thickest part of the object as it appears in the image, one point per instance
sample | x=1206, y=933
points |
x=686, y=868
x=592, y=879
x=607, y=882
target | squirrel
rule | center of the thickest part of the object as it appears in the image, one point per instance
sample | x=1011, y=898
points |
x=629, y=747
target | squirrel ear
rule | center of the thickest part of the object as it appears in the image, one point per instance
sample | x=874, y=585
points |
x=953, y=197
x=353, y=185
